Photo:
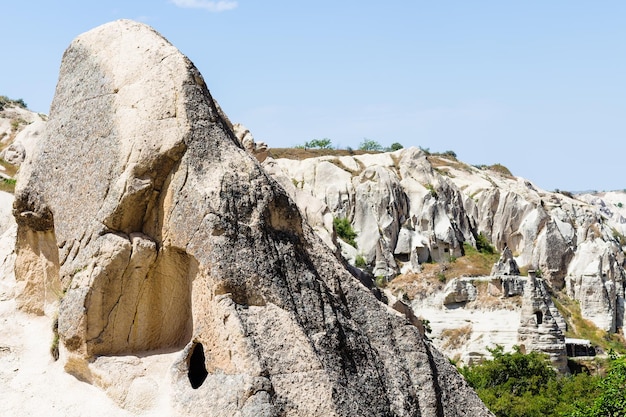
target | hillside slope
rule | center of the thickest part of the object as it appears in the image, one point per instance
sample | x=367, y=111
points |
x=411, y=210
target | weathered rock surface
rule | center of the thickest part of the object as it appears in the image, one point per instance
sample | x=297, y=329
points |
x=506, y=265
x=458, y=291
x=13, y=119
x=408, y=208
x=152, y=230
x=473, y=314
x=24, y=142
x=539, y=328
x=260, y=150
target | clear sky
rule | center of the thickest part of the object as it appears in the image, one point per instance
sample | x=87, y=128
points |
x=536, y=85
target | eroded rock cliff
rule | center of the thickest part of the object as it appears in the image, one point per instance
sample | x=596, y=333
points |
x=408, y=207
x=141, y=218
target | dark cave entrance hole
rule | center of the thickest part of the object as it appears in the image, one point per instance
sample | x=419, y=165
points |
x=539, y=317
x=197, y=370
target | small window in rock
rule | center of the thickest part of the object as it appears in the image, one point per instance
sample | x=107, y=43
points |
x=539, y=316
x=403, y=257
x=197, y=370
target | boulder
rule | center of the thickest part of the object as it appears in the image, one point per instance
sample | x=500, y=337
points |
x=459, y=291
x=163, y=234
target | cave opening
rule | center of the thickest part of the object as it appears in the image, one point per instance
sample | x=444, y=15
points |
x=539, y=316
x=197, y=370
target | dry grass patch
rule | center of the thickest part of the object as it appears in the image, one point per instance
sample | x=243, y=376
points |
x=456, y=338
x=421, y=285
x=7, y=185
x=501, y=169
x=486, y=301
x=9, y=169
x=580, y=328
x=434, y=276
x=340, y=164
x=472, y=264
x=439, y=163
x=300, y=153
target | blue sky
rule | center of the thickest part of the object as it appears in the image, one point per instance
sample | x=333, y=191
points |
x=538, y=86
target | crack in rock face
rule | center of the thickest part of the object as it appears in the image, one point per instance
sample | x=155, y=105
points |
x=179, y=241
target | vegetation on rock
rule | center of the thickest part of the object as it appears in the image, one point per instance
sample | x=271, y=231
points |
x=5, y=102
x=344, y=230
x=578, y=327
x=483, y=245
x=360, y=261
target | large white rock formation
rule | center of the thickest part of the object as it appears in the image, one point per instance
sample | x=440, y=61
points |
x=147, y=226
x=408, y=207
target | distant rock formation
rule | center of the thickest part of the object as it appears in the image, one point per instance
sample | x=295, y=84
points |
x=539, y=328
x=506, y=265
x=408, y=208
x=144, y=221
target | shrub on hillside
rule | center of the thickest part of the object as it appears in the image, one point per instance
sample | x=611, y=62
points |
x=483, y=245
x=5, y=101
x=395, y=146
x=370, y=145
x=344, y=230
x=514, y=384
x=319, y=144
x=611, y=400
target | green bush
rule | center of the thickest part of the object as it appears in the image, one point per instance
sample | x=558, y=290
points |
x=381, y=281
x=8, y=185
x=611, y=400
x=344, y=230
x=370, y=145
x=360, y=261
x=501, y=169
x=449, y=154
x=427, y=328
x=483, y=245
x=319, y=143
x=514, y=384
x=431, y=189
x=395, y=146
x=5, y=101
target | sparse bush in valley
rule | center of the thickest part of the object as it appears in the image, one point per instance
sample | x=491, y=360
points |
x=395, y=147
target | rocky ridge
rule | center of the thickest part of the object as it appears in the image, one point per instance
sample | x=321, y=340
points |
x=164, y=247
x=409, y=207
